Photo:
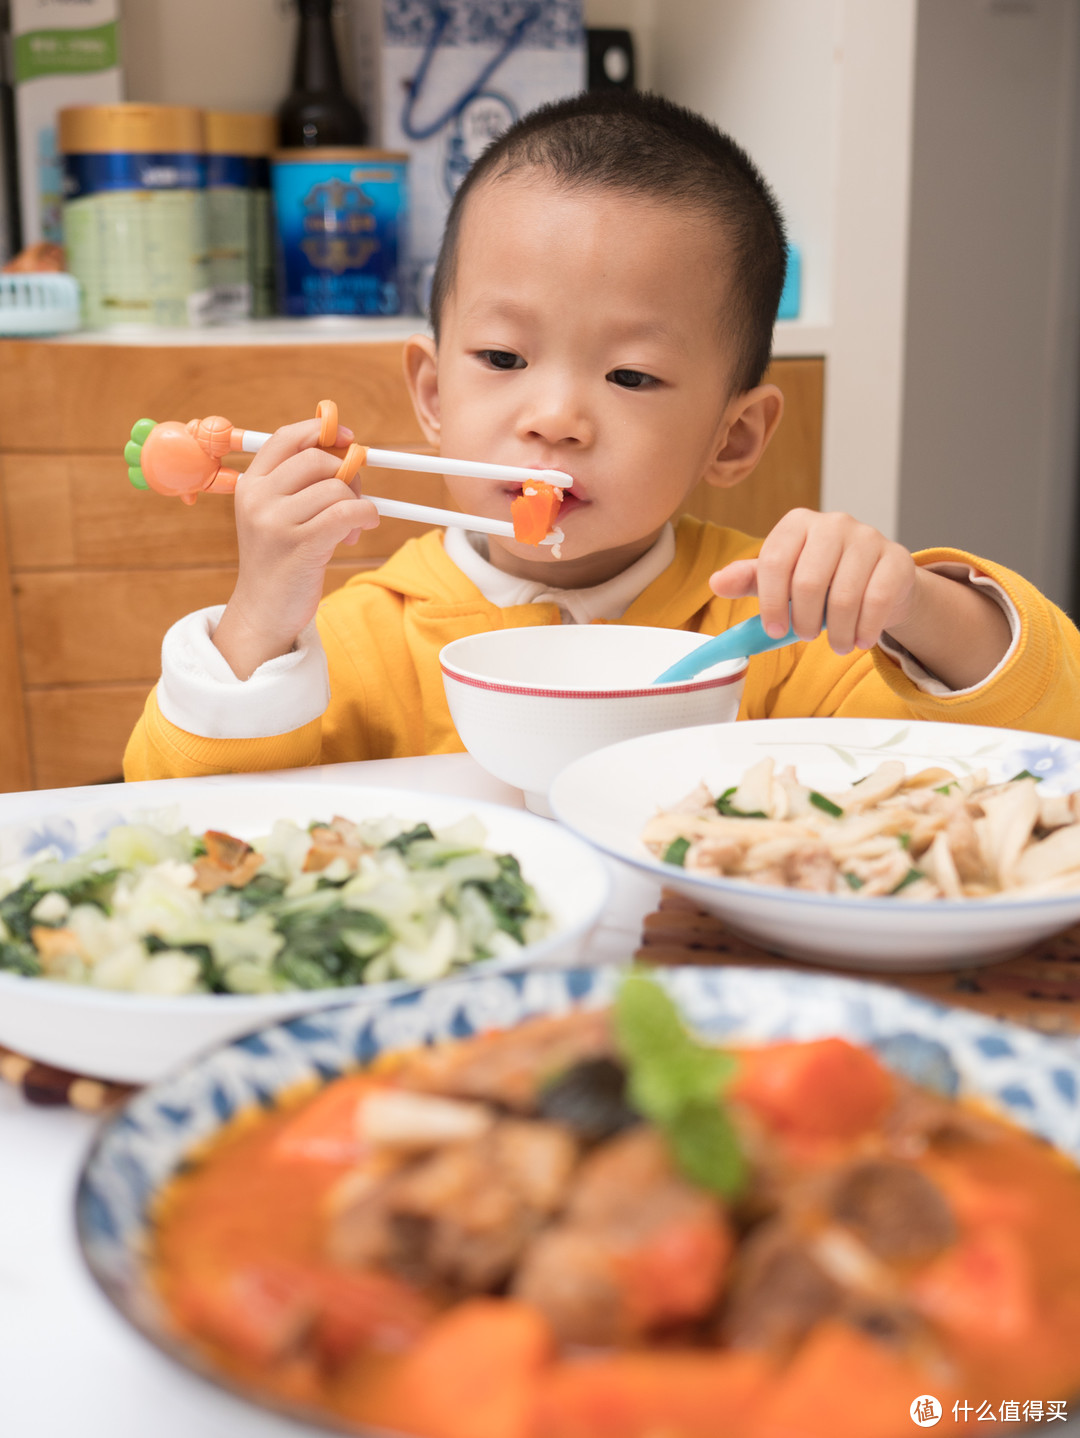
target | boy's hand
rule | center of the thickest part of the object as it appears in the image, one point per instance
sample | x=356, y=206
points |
x=834, y=572
x=844, y=576
x=291, y=514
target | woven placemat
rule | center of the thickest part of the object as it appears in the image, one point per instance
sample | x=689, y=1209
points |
x=1040, y=988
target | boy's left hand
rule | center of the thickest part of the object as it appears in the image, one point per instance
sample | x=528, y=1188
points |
x=834, y=572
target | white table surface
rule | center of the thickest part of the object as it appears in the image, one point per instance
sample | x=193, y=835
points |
x=70, y=1367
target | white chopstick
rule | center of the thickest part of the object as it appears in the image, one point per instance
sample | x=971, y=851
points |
x=436, y=464
x=254, y=440
x=468, y=468
x=450, y=518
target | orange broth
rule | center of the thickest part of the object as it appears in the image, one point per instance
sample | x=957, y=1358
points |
x=256, y=1195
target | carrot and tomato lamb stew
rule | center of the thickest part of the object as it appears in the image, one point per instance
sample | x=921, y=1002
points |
x=596, y=1226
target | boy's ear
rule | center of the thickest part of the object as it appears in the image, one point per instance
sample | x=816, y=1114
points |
x=422, y=378
x=749, y=423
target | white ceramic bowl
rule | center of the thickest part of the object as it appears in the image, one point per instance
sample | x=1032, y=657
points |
x=135, y=1038
x=527, y=702
x=608, y=796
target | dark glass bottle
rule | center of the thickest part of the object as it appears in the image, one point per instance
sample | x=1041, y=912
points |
x=10, y=224
x=317, y=110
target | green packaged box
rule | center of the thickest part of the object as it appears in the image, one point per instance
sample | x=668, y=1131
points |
x=65, y=53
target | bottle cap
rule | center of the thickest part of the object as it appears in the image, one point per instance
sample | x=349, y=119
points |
x=229, y=132
x=131, y=128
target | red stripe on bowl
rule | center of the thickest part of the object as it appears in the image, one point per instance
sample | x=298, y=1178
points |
x=653, y=690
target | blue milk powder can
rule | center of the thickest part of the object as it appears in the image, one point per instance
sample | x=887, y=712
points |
x=340, y=223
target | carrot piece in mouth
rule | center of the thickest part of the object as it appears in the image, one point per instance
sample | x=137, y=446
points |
x=534, y=511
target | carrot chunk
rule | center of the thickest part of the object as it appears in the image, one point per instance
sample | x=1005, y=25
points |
x=825, y=1089
x=842, y=1385
x=534, y=513
x=325, y=1129
x=473, y=1374
x=637, y=1395
x=982, y=1289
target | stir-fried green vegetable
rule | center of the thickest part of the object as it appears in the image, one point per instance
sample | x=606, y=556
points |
x=339, y=903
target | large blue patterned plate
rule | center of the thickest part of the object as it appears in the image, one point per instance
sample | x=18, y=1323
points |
x=1031, y=1079
x=608, y=796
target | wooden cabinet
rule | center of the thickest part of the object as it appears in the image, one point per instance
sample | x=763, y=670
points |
x=93, y=572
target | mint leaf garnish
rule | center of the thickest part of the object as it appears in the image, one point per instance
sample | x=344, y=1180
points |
x=678, y=1084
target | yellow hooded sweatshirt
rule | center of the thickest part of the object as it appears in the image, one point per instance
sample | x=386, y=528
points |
x=383, y=630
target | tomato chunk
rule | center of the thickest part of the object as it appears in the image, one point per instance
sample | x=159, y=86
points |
x=825, y=1089
x=266, y=1312
x=676, y=1271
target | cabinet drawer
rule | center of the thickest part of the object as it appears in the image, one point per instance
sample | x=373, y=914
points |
x=106, y=626
x=78, y=736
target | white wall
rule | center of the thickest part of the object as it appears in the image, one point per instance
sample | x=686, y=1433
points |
x=988, y=455
x=820, y=93
x=767, y=72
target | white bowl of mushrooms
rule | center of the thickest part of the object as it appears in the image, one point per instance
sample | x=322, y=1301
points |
x=874, y=844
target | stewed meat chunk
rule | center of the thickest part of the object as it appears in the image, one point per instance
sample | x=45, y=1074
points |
x=897, y=1212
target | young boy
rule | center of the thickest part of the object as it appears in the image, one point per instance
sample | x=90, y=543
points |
x=603, y=304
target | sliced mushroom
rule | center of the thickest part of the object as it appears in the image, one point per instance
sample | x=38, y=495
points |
x=1057, y=854
x=938, y=861
x=1055, y=810
x=964, y=844
x=931, y=778
x=713, y=856
x=1011, y=815
x=755, y=795
x=881, y=784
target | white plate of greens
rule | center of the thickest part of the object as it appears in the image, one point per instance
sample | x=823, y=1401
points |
x=129, y=940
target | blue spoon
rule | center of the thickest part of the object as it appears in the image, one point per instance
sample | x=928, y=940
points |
x=738, y=642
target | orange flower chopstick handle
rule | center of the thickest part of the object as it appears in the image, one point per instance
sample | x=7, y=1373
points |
x=184, y=460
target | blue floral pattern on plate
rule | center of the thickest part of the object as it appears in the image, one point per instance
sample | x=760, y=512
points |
x=1031, y=1079
x=56, y=837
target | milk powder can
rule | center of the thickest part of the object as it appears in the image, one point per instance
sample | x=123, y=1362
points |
x=340, y=223
x=238, y=150
x=135, y=213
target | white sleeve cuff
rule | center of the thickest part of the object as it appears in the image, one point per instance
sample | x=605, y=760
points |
x=922, y=678
x=198, y=691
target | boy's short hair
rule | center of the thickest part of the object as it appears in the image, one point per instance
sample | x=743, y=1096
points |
x=642, y=144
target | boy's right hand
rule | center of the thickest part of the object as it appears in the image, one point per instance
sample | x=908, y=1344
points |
x=291, y=514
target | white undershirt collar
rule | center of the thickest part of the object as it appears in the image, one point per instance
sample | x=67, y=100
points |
x=609, y=600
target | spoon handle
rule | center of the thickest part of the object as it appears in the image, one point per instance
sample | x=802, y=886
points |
x=739, y=641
